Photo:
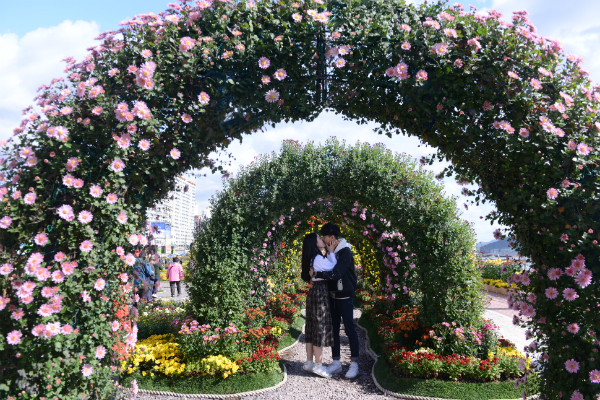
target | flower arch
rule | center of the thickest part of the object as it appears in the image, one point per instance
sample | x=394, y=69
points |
x=419, y=242
x=513, y=113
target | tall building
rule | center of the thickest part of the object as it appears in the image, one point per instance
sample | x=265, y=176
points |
x=174, y=216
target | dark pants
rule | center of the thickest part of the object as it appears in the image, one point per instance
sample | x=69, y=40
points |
x=149, y=282
x=156, y=285
x=343, y=309
x=178, y=283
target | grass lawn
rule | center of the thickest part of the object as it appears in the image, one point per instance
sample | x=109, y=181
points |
x=208, y=384
x=366, y=323
x=439, y=388
x=293, y=334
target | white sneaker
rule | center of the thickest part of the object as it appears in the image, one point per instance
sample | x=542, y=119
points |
x=334, y=367
x=321, y=371
x=353, y=371
x=308, y=366
x=154, y=295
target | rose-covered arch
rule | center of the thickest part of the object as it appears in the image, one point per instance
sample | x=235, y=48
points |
x=507, y=107
x=421, y=245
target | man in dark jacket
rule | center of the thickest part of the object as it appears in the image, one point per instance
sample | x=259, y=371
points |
x=342, y=283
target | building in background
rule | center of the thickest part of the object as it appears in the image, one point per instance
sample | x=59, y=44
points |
x=174, y=217
x=197, y=220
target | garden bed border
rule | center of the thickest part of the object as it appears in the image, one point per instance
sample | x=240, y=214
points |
x=376, y=357
x=229, y=395
x=218, y=396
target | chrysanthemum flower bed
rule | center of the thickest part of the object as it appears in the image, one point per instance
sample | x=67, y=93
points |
x=444, y=351
x=185, y=348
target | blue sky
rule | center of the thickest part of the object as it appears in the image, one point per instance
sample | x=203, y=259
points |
x=35, y=35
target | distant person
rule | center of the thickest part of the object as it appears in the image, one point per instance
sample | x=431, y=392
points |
x=157, y=264
x=149, y=277
x=143, y=276
x=175, y=275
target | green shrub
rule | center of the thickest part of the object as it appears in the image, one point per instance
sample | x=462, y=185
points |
x=156, y=317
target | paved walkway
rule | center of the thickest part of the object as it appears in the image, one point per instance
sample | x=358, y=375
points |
x=165, y=291
x=498, y=311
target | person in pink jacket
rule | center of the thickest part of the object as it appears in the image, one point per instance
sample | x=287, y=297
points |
x=175, y=275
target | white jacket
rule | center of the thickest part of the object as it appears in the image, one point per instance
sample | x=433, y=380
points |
x=322, y=264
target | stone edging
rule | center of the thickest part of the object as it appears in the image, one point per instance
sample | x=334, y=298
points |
x=227, y=396
x=375, y=357
x=219, y=396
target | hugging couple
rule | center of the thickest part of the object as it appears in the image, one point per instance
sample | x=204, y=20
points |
x=327, y=261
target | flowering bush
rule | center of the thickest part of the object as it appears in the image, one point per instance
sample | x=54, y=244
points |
x=156, y=317
x=263, y=359
x=158, y=353
x=427, y=364
x=497, y=269
x=199, y=341
x=282, y=305
x=477, y=341
x=218, y=365
x=155, y=98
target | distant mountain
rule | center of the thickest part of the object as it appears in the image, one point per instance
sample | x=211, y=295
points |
x=479, y=244
x=498, y=247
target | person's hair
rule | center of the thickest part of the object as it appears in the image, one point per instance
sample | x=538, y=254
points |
x=330, y=229
x=175, y=259
x=309, y=252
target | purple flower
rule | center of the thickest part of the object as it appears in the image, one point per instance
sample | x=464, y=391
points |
x=66, y=212
x=264, y=62
x=572, y=366
x=87, y=370
x=583, y=149
x=552, y=193
x=29, y=198
x=14, y=337
x=272, y=96
x=570, y=294
x=85, y=217
x=86, y=246
x=5, y=222
x=40, y=239
x=203, y=98
x=117, y=165
x=96, y=191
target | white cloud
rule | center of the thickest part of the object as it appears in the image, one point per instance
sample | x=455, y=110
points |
x=33, y=60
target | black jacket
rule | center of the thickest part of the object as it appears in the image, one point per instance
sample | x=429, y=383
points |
x=344, y=270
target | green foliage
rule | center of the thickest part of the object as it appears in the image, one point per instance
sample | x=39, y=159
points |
x=208, y=384
x=449, y=389
x=499, y=270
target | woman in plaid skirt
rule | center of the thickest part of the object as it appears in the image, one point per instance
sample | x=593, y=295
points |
x=318, y=331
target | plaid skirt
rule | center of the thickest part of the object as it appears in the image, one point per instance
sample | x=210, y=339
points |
x=318, y=329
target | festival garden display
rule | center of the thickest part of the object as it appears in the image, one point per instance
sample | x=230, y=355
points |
x=508, y=108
